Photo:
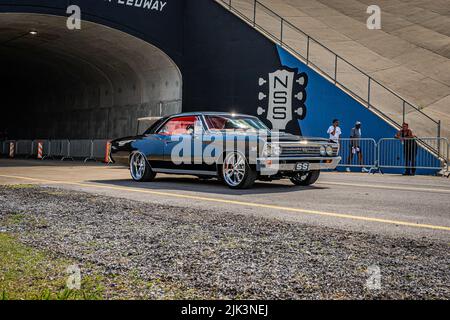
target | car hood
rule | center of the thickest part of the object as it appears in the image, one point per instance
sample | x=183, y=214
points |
x=287, y=137
x=280, y=137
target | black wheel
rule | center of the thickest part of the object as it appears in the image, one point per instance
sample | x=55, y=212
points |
x=236, y=172
x=305, y=178
x=140, y=168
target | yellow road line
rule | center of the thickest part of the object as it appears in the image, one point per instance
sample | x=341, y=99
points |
x=240, y=203
x=345, y=184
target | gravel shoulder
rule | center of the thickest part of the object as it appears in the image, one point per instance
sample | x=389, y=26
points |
x=192, y=253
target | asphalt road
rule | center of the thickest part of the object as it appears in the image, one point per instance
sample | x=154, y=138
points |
x=407, y=207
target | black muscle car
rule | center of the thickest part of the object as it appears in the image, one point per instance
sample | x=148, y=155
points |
x=237, y=149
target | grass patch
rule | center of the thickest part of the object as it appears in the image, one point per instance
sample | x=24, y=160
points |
x=29, y=274
x=20, y=186
x=12, y=219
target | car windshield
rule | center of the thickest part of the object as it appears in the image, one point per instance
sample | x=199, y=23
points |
x=234, y=123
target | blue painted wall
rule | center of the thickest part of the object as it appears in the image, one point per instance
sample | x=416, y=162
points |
x=326, y=102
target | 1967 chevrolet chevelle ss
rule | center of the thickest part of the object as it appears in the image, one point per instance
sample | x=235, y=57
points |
x=237, y=149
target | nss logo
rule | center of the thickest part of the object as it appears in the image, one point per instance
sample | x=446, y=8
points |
x=285, y=95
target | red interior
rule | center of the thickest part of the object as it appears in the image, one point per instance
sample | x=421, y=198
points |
x=178, y=126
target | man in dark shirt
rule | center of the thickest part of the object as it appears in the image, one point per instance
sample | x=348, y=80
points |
x=408, y=139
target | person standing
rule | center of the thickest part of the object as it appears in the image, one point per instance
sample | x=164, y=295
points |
x=334, y=131
x=355, y=146
x=408, y=140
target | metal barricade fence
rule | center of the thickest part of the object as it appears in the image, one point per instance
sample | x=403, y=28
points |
x=23, y=148
x=99, y=149
x=60, y=148
x=65, y=150
x=90, y=157
x=34, y=148
x=46, y=148
x=447, y=168
x=80, y=149
x=4, y=148
x=52, y=150
x=70, y=149
x=358, y=152
x=418, y=153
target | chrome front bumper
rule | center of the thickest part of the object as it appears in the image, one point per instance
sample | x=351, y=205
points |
x=271, y=166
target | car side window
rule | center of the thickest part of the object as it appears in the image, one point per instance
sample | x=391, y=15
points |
x=154, y=126
x=178, y=126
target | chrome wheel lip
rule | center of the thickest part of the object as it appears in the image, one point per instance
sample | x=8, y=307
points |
x=234, y=169
x=137, y=166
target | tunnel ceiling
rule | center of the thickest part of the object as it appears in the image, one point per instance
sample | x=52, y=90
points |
x=61, y=70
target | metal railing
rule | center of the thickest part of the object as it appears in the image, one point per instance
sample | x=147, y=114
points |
x=23, y=147
x=4, y=148
x=392, y=153
x=361, y=86
x=408, y=153
x=358, y=152
x=86, y=150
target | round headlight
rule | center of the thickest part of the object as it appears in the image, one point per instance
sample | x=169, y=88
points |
x=266, y=150
x=276, y=150
x=323, y=151
x=271, y=150
x=329, y=150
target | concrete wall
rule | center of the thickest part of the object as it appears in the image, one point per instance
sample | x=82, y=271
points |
x=410, y=54
x=90, y=84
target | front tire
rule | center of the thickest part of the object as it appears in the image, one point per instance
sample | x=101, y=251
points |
x=140, y=168
x=236, y=172
x=305, y=178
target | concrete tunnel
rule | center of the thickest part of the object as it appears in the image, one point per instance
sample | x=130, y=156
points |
x=88, y=84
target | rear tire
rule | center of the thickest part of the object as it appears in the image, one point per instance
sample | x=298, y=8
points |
x=236, y=173
x=305, y=178
x=140, y=168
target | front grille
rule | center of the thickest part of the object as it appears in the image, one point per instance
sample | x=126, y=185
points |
x=300, y=151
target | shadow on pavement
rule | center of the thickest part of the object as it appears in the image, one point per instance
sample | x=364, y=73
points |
x=212, y=186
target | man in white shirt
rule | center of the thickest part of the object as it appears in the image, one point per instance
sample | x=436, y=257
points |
x=334, y=131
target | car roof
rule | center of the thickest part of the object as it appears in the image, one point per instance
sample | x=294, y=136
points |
x=209, y=113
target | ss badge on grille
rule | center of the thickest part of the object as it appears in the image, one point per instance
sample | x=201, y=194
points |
x=284, y=97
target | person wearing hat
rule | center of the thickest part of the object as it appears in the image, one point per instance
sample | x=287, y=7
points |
x=355, y=146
